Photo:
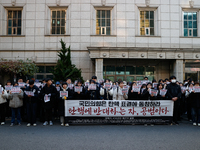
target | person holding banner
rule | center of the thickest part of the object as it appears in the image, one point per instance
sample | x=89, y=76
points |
x=148, y=93
x=3, y=101
x=174, y=94
x=31, y=96
x=16, y=102
x=106, y=91
x=93, y=91
x=48, y=94
x=79, y=91
x=195, y=105
x=134, y=92
x=118, y=94
x=65, y=94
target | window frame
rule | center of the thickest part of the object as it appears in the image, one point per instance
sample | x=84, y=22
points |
x=190, y=11
x=103, y=8
x=58, y=9
x=13, y=9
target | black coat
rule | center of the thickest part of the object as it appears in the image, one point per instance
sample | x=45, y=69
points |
x=80, y=96
x=133, y=95
x=49, y=90
x=61, y=102
x=174, y=90
x=32, y=99
x=93, y=94
x=146, y=96
x=194, y=100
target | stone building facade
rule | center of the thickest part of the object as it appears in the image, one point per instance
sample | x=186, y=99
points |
x=115, y=39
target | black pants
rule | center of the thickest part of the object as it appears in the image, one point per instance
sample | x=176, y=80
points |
x=31, y=112
x=176, y=111
x=2, y=112
x=48, y=114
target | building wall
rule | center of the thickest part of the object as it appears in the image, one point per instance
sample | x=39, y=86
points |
x=36, y=42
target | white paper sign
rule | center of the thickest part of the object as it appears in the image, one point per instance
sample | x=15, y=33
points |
x=29, y=93
x=92, y=87
x=154, y=92
x=87, y=84
x=107, y=85
x=38, y=84
x=78, y=89
x=15, y=90
x=136, y=88
x=8, y=87
x=21, y=84
x=57, y=88
x=63, y=93
x=163, y=92
x=155, y=85
x=196, y=89
x=46, y=98
x=183, y=89
x=70, y=86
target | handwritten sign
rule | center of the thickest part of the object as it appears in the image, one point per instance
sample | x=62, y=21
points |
x=63, y=93
x=93, y=87
x=163, y=92
x=136, y=88
x=15, y=90
x=78, y=89
x=153, y=92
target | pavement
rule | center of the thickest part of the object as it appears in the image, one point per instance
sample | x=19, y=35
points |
x=100, y=137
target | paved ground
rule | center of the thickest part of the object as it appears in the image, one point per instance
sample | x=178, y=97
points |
x=96, y=137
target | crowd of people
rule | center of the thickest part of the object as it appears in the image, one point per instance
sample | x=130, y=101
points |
x=32, y=100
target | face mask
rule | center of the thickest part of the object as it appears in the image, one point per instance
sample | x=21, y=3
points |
x=186, y=82
x=173, y=80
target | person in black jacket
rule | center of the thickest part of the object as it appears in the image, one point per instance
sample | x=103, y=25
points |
x=160, y=86
x=133, y=95
x=31, y=103
x=79, y=95
x=48, y=94
x=195, y=106
x=145, y=95
x=174, y=94
x=93, y=94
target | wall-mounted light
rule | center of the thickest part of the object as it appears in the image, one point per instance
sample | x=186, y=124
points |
x=13, y=2
x=161, y=55
x=179, y=55
x=103, y=2
x=123, y=55
x=147, y=3
x=104, y=54
x=191, y=4
x=197, y=56
x=142, y=55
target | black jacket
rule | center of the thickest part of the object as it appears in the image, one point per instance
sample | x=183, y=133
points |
x=133, y=95
x=80, y=96
x=195, y=100
x=93, y=94
x=49, y=90
x=32, y=99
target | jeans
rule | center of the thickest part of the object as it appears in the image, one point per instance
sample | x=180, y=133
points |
x=31, y=112
x=14, y=110
x=195, y=112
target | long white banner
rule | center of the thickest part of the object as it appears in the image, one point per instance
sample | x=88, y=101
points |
x=114, y=108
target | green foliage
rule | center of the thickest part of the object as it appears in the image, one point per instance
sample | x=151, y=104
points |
x=64, y=68
x=18, y=67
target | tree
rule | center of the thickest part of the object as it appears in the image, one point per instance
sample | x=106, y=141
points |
x=18, y=67
x=64, y=68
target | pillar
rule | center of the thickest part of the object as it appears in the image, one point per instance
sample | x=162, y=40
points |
x=178, y=70
x=99, y=68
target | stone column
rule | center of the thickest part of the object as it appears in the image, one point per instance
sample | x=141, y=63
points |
x=178, y=70
x=99, y=68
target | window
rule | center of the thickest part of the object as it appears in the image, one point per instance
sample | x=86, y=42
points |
x=14, y=22
x=103, y=24
x=58, y=21
x=190, y=24
x=147, y=23
x=44, y=72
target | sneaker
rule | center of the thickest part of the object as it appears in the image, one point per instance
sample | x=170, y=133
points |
x=66, y=125
x=12, y=124
x=177, y=123
x=2, y=123
x=45, y=123
x=198, y=124
x=19, y=124
x=28, y=125
x=34, y=124
x=194, y=124
x=62, y=124
x=50, y=123
x=152, y=125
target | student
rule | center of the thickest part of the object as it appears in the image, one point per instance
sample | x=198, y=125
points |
x=145, y=95
x=131, y=94
x=106, y=93
x=160, y=87
x=3, y=102
x=31, y=103
x=188, y=100
x=61, y=104
x=117, y=93
x=79, y=95
x=195, y=105
x=48, y=94
x=93, y=94
x=174, y=94
x=16, y=102
x=8, y=109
